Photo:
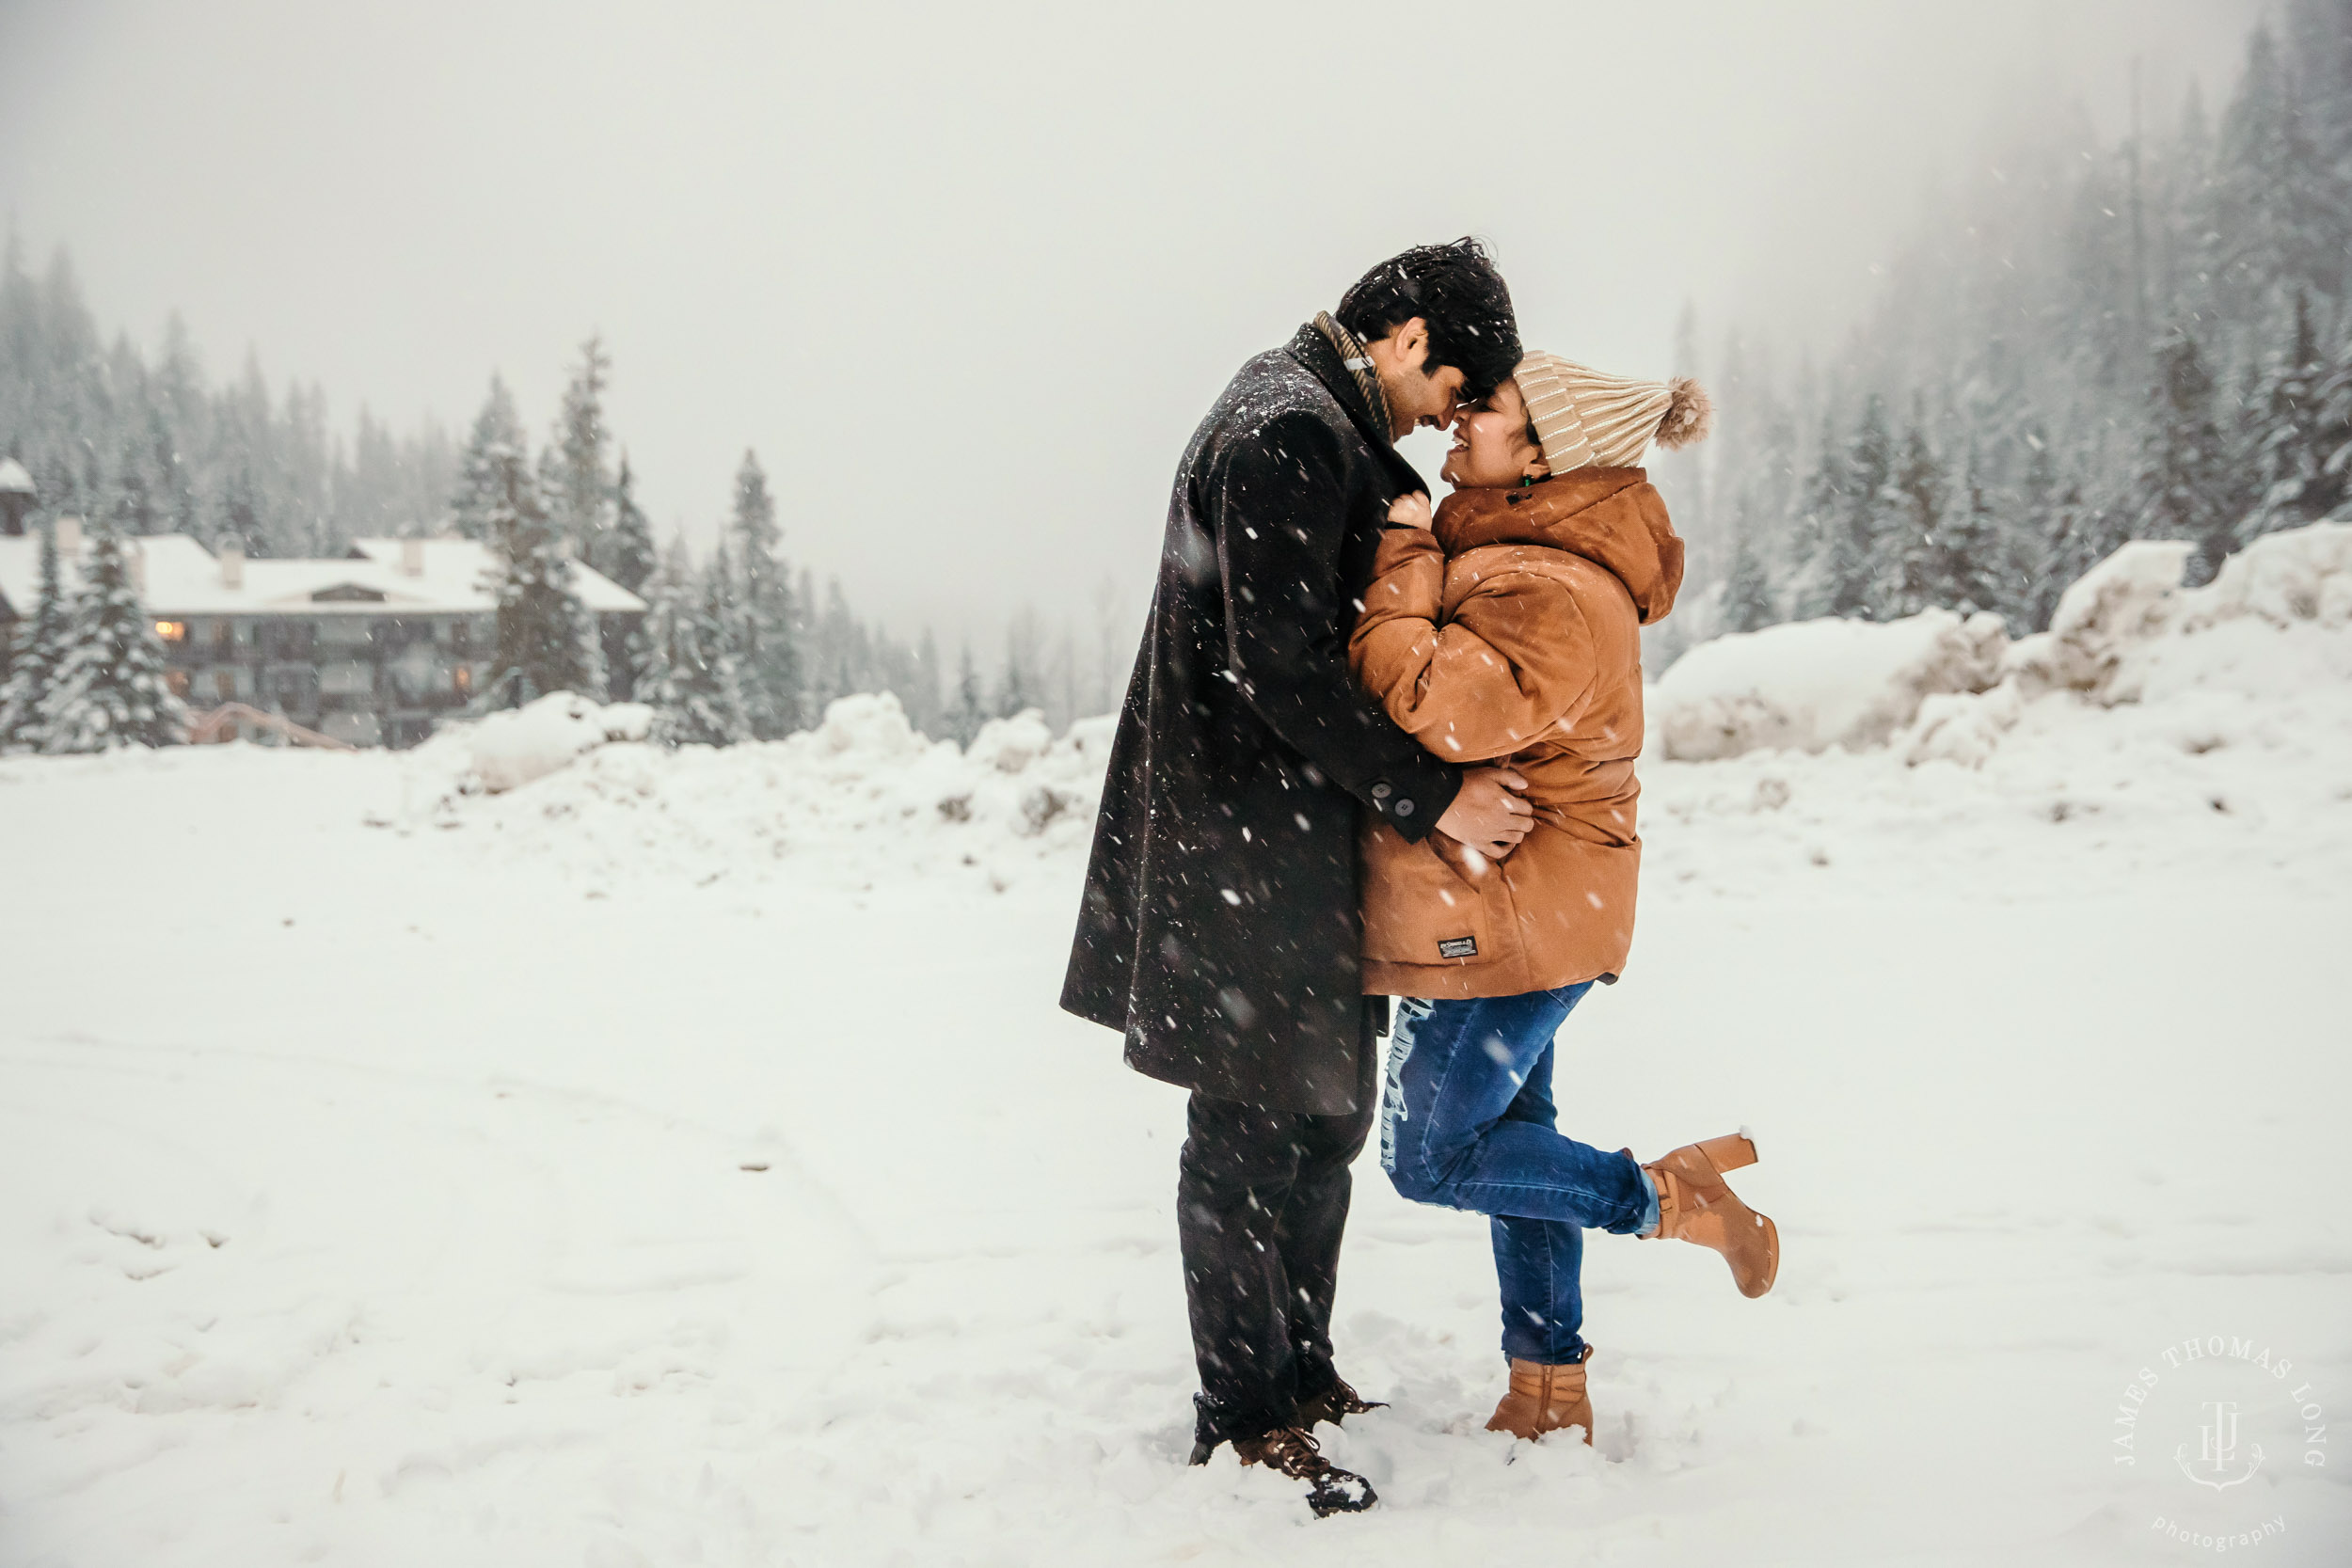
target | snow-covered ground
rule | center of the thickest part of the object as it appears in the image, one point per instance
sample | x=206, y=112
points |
x=681, y=1159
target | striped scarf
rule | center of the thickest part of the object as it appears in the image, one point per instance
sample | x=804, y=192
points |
x=1359, y=363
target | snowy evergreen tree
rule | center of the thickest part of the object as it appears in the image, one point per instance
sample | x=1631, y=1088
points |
x=1023, y=683
x=764, y=633
x=2290, y=440
x=579, y=481
x=1747, y=592
x=498, y=434
x=40, y=644
x=1966, y=568
x=2334, y=434
x=110, y=688
x=1860, y=509
x=2181, y=491
x=688, y=676
x=546, y=639
x=968, y=711
x=1907, y=523
x=716, y=679
x=628, y=556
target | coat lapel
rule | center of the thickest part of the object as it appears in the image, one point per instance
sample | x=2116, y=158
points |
x=1311, y=348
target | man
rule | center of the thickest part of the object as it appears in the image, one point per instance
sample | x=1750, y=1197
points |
x=1220, y=928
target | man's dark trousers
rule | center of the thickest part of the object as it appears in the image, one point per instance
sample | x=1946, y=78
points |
x=1261, y=1206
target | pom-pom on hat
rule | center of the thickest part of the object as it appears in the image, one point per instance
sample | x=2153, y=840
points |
x=1586, y=419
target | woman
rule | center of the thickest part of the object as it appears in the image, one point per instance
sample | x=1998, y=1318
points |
x=1509, y=627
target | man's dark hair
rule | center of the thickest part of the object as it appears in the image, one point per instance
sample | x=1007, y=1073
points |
x=1456, y=289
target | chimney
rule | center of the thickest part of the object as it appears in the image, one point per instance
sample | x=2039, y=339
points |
x=139, y=569
x=233, y=564
x=70, y=537
x=412, y=558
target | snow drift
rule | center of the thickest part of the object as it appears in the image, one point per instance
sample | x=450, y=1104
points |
x=1937, y=686
x=864, y=786
x=1811, y=685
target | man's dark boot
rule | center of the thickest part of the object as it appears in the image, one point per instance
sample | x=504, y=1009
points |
x=1289, y=1451
x=1333, y=1405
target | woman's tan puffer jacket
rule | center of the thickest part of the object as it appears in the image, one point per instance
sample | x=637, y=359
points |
x=1510, y=631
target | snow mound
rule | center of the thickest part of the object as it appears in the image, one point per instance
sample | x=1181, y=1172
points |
x=1937, y=688
x=862, y=792
x=507, y=751
x=2272, y=624
x=1811, y=685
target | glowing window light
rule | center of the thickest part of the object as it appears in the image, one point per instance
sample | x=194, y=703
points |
x=172, y=631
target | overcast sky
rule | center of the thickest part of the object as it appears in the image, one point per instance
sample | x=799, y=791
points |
x=966, y=276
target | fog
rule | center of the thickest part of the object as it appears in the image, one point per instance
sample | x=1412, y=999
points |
x=967, y=277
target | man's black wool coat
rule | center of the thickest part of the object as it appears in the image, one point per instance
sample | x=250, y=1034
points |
x=1220, y=933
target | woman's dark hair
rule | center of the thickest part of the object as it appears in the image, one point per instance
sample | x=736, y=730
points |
x=1456, y=289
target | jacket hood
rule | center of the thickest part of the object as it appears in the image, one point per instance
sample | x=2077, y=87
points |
x=1613, y=518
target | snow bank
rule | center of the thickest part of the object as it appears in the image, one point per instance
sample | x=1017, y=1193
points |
x=1811, y=685
x=1940, y=688
x=581, y=784
x=509, y=749
x=2272, y=624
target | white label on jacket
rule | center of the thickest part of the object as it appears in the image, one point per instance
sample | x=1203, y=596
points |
x=1458, y=947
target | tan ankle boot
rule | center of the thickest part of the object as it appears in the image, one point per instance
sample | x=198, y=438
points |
x=1544, y=1399
x=1694, y=1205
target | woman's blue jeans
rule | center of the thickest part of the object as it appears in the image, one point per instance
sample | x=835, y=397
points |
x=1466, y=1123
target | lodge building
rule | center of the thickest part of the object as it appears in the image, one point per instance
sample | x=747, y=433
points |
x=372, y=648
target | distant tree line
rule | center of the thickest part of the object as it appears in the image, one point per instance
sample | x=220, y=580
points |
x=738, y=644
x=2086, y=345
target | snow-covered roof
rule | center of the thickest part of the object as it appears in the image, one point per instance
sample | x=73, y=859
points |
x=13, y=477
x=456, y=566
x=183, y=577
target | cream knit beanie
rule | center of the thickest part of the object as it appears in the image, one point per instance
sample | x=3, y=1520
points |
x=1587, y=420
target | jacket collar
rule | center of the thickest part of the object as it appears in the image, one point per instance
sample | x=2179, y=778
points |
x=1612, y=517
x=1312, y=349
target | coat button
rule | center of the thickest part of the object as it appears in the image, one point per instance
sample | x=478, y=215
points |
x=1382, y=791
x=1403, y=808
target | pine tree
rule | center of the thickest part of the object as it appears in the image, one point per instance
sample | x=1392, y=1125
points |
x=969, y=711
x=2333, y=436
x=1747, y=592
x=547, y=639
x=2181, y=492
x=693, y=695
x=628, y=558
x=629, y=561
x=1908, y=521
x=1966, y=567
x=498, y=432
x=1023, y=685
x=1861, y=504
x=2290, y=442
x=579, y=488
x=40, y=644
x=716, y=680
x=771, y=670
x=133, y=507
x=110, y=688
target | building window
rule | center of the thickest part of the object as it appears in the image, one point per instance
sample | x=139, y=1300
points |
x=178, y=681
x=225, y=638
x=348, y=679
x=225, y=683
x=172, y=631
x=462, y=678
